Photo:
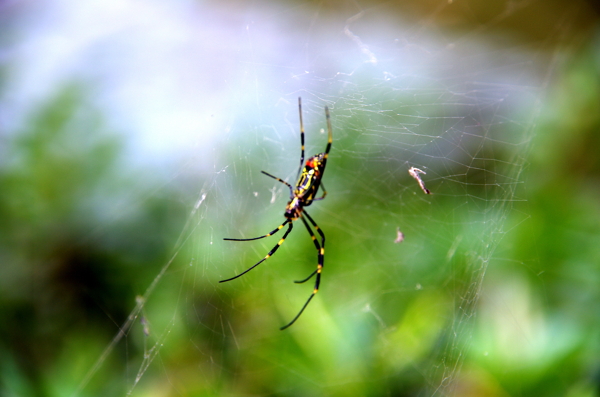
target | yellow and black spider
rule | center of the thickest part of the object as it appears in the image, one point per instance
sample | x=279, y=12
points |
x=302, y=195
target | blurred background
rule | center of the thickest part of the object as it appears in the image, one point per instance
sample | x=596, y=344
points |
x=132, y=136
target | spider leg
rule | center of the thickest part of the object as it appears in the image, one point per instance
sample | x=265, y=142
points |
x=301, y=137
x=282, y=181
x=306, y=279
x=327, y=149
x=321, y=258
x=298, y=315
x=316, y=244
x=258, y=238
x=268, y=255
x=323, y=196
x=329, y=132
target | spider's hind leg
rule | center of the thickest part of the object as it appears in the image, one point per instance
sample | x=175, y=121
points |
x=321, y=259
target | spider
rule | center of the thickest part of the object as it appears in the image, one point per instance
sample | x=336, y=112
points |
x=302, y=195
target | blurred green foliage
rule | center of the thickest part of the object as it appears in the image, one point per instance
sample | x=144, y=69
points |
x=73, y=243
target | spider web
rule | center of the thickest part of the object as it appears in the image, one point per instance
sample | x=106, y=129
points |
x=451, y=88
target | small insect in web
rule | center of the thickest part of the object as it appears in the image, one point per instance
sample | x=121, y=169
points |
x=399, y=236
x=414, y=172
x=301, y=195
